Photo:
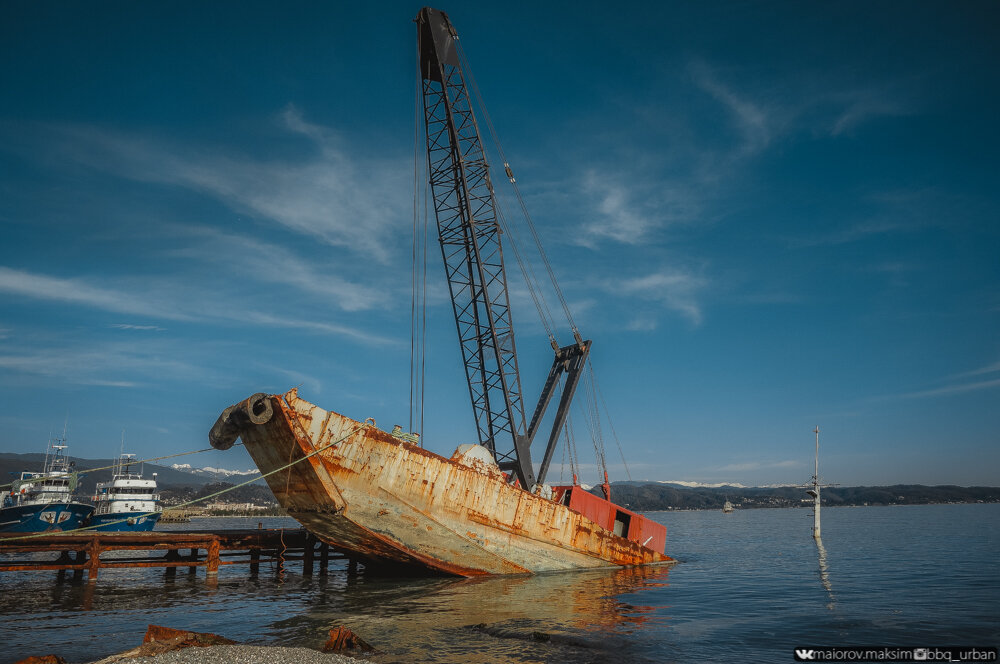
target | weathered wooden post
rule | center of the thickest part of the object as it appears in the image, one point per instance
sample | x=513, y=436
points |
x=307, y=555
x=80, y=559
x=64, y=559
x=324, y=557
x=212, y=561
x=94, y=560
x=254, y=561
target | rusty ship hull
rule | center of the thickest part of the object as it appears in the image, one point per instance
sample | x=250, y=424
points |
x=382, y=499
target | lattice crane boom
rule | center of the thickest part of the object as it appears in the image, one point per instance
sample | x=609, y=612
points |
x=470, y=239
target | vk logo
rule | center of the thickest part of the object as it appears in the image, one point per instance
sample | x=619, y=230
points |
x=803, y=655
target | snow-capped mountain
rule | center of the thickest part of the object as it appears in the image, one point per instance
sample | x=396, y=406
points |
x=209, y=471
x=720, y=485
x=701, y=485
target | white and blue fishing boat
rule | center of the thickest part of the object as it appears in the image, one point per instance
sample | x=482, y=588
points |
x=127, y=502
x=43, y=502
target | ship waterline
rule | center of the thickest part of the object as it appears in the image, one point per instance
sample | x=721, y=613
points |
x=387, y=500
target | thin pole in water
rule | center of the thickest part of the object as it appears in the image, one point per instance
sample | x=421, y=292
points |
x=815, y=491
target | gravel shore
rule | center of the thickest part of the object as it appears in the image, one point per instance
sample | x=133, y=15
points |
x=239, y=654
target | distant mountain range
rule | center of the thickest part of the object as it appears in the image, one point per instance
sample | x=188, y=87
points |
x=215, y=473
x=652, y=496
x=167, y=477
x=684, y=484
x=637, y=495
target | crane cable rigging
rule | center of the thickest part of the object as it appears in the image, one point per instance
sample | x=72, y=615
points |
x=520, y=199
x=532, y=282
x=418, y=287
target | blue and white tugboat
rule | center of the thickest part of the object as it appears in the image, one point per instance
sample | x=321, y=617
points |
x=43, y=502
x=127, y=502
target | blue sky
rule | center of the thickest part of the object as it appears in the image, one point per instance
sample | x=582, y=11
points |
x=767, y=216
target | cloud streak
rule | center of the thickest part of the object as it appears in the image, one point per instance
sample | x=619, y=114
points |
x=956, y=387
x=330, y=194
x=677, y=291
x=107, y=366
x=189, y=305
x=629, y=212
x=77, y=291
x=753, y=121
x=988, y=369
x=271, y=264
x=949, y=390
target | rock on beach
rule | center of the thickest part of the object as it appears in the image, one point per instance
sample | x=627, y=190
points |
x=241, y=654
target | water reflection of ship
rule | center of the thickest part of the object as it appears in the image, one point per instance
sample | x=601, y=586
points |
x=490, y=617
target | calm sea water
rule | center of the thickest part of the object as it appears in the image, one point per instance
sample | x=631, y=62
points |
x=750, y=586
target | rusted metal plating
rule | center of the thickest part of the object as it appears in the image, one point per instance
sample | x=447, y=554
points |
x=382, y=499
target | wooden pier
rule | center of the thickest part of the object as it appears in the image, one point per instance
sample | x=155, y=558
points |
x=81, y=552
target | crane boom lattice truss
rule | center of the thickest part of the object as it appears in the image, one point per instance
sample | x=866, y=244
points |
x=469, y=234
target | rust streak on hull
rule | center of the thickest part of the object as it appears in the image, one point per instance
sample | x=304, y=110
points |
x=380, y=498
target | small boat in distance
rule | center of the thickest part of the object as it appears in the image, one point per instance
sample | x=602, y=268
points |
x=127, y=502
x=43, y=502
x=728, y=507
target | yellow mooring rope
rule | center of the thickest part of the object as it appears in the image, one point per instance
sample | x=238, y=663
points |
x=196, y=500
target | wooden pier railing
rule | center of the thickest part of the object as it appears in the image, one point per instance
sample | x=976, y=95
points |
x=81, y=552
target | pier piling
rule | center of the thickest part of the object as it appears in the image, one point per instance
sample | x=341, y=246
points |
x=81, y=552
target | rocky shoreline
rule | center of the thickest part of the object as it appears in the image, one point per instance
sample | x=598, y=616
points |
x=175, y=646
x=243, y=654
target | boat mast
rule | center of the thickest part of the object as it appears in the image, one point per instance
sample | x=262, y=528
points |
x=814, y=492
x=469, y=234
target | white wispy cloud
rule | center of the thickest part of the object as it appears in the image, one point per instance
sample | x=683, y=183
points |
x=954, y=389
x=986, y=369
x=128, y=326
x=629, y=211
x=323, y=327
x=109, y=365
x=851, y=233
x=185, y=303
x=895, y=213
x=333, y=194
x=620, y=219
x=641, y=323
x=269, y=263
x=678, y=291
x=947, y=390
x=311, y=383
x=752, y=119
x=78, y=291
x=863, y=105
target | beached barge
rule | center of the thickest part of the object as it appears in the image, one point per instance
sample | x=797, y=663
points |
x=386, y=500
x=487, y=509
